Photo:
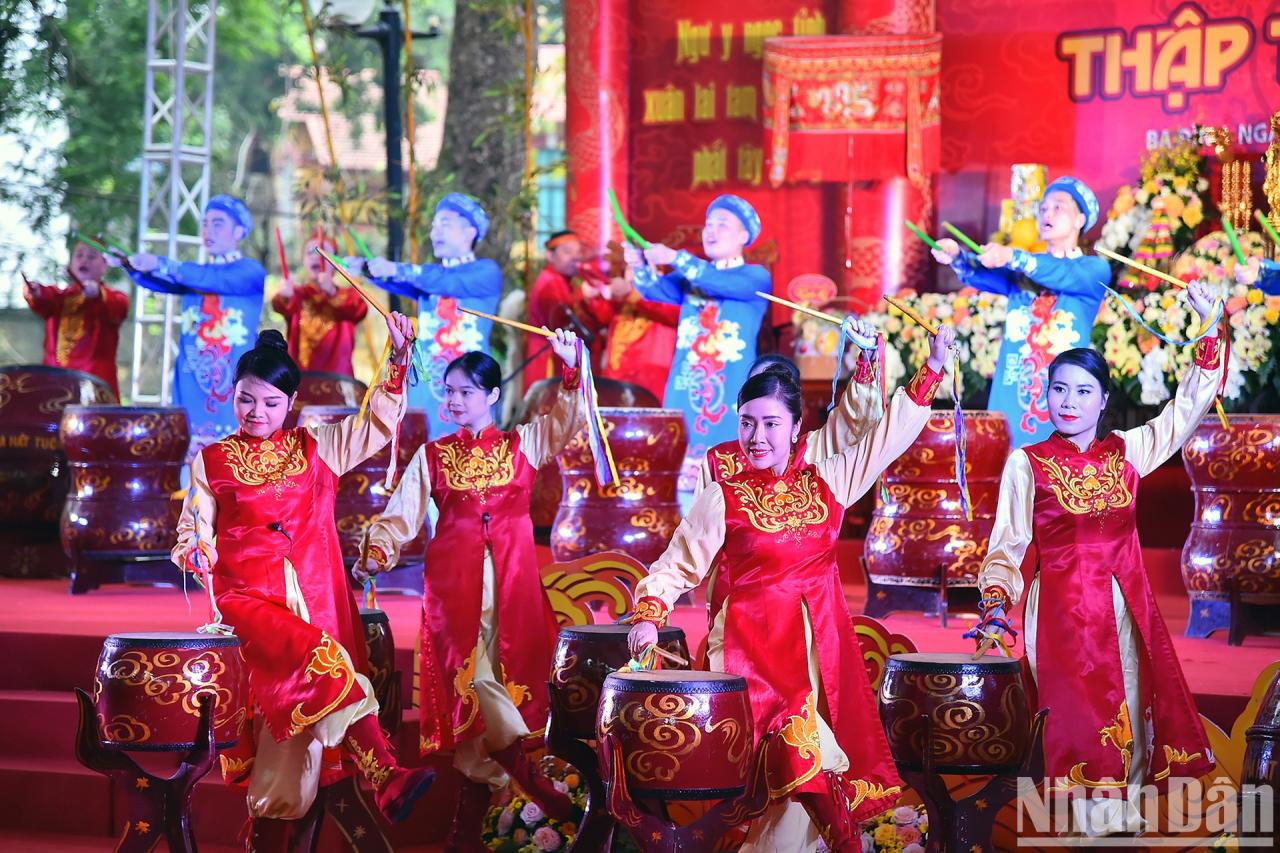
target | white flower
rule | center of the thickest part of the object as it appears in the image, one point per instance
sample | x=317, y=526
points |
x=1235, y=382
x=1151, y=376
x=868, y=843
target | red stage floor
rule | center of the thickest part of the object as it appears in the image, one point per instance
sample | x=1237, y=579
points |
x=50, y=641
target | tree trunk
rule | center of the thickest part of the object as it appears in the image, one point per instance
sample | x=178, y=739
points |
x=484, y=153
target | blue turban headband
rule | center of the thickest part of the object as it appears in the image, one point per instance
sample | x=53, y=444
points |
x=1084, y=197
x=233, y=207
x=743, y=210
x=469, y=209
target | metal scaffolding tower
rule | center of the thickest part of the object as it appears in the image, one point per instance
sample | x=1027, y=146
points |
x=176, y=146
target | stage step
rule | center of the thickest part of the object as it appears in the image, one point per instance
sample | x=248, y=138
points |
x=38, y=722
x=54, y=795
x=46, y=842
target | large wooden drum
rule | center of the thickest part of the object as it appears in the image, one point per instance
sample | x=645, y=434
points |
x=921, y=530
x=638, y=513
x=126, y=464
x=362, y=491
x=683, y=735
x=33, y=470
x=585, y=656
x=541, y=396
x=1262, y=741
x=981, y=721
x=381, y=648
x=148, y=686
x=1235, y=535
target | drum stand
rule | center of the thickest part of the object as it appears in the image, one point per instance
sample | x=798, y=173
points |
x=595, y=833
x=657, y=835
x=156, y=806
x=965, y=825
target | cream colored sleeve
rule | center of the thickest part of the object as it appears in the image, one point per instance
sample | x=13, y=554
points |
x=692, y=550
x=198, y=494
x=405, y=513
x=704, y=476
x=346, y=444
x=1013, y=528
x=851, y=420
x=852, y=471
x=1148, y=446
x=546, y=435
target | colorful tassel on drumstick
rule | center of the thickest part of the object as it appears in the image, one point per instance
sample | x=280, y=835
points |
x=370, y=585
x=215, y=624
x=597, y=437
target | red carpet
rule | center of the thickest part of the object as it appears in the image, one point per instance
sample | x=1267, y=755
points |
x=51, y=642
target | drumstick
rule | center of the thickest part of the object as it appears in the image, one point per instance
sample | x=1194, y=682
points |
x=342, y=269
x=515, y=324
x=962, y=237
x=670, y=657
x=984, y=647
x=1176, y=282
x=803, y=309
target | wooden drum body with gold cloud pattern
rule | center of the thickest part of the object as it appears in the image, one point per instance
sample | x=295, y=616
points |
x=638, y=513
x=1235, y=535
x=148, y=686
x=921, y=528
x=585, y=655
x=381, y=648
x=33, y=468
x=126, y=464
x=682, y=735
x=325, y=389
x=362, y=492
x=981, y=720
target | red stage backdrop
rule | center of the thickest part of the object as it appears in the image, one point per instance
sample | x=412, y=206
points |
x=1087, y=86
x=1082, y=86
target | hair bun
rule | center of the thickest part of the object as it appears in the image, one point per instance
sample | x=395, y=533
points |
x=271, y=339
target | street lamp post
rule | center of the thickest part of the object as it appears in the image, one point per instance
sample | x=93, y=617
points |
x=388, y=34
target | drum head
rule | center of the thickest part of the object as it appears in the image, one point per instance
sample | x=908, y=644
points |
x=607, y=632
x=950, y=662
x=676, y=681
x=170, y=639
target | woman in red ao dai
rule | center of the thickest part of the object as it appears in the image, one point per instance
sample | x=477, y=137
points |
x=1120, y=712
x=259, y=517
x=775, y=527
x=488, y=632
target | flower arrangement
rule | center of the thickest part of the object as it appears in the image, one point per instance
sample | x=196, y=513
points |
x=1148, y=370
x=1145, y=369
x=901, y=830
x=1170, y=182
x=520, y=826
x=978, y=319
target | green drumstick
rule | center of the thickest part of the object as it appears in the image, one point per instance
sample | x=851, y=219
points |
x=962, y=237
x=1266, y=226
x=360, y=244
x=916, y=230
x=627, y=231
x=1235, y=244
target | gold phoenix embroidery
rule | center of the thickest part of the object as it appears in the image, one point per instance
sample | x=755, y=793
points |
x=781, y=506
x=472, y=468
x=464, y=687
x=269, y=463
x=327, y=662
x=800, y=733
x=519, y=693
x=314, y=322
x=725, y=463
x=1091, y=490
x=1120, y=734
